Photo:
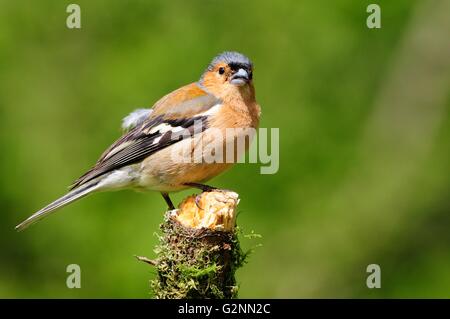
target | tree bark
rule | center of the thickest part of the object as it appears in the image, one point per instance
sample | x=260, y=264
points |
x=199, y=251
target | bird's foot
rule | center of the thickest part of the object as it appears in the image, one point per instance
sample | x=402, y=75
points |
x=204, y=188
x=168, y=201
x=197, y=201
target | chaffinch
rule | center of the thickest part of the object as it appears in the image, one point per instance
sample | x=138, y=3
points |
x=143, y=158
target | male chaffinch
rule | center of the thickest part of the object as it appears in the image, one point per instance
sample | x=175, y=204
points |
x=142, y=158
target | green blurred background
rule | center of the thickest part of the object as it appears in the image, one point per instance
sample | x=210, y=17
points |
x=364, y=141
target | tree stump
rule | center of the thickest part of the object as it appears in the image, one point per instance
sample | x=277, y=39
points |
x=199, y=251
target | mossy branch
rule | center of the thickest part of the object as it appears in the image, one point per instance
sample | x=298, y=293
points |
x=199, y=250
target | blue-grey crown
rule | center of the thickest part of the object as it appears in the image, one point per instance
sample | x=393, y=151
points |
x=231, y=57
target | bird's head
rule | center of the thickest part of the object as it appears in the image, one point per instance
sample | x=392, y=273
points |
x=228, y=73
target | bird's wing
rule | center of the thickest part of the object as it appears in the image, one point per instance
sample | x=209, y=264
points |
x=175, y=112
x=187, y=101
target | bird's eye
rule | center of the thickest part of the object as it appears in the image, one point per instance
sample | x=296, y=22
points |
x=221, y=70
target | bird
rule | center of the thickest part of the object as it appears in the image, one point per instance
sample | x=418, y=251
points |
x=184, y=120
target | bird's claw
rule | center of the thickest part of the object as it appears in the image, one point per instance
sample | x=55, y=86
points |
x=197, y=201
x=206, y=190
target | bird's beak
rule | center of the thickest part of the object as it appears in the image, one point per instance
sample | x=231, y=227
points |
x=240, y=78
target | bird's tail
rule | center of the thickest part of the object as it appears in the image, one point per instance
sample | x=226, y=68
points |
x=71, y=196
